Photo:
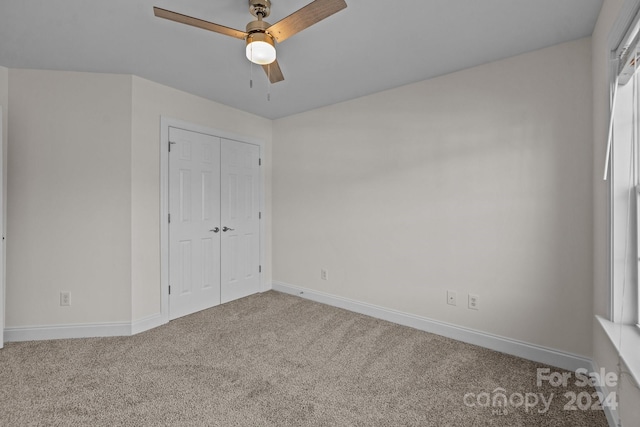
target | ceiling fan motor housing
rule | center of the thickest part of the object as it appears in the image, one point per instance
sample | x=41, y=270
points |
x=257, y=30
x=257, y=27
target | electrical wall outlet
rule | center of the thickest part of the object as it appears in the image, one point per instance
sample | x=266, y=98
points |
x=324, y=274
x=474, y=302
x=65, y=299
x=452, y=298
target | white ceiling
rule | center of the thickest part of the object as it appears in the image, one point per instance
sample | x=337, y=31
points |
x=370, y=46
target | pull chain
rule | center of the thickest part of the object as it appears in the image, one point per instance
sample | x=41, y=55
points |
x=251, y=68
x=269, y=83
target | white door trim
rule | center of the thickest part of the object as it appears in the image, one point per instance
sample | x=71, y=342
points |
x=165, y=124
x=3, y=262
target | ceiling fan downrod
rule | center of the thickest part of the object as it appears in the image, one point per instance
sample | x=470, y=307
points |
x=258, y=29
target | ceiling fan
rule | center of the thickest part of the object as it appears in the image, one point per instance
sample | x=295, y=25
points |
x=260, y=35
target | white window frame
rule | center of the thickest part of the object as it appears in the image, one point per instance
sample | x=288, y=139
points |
x=624, y=179
x=622, y=325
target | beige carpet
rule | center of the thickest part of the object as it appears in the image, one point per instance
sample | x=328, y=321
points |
x=272, y=360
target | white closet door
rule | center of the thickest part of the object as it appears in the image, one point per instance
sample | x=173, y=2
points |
x=194, y=235
x=239, y=220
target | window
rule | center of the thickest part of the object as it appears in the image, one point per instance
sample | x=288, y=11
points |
x=623, y=162
x=625, y=183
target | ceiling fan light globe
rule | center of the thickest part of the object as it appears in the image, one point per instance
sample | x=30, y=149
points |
x=260, y=49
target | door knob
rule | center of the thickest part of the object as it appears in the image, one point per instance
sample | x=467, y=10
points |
x=225, y=228
x=215, y=230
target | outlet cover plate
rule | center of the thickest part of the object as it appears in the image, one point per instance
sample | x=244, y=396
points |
x=65, y=299
x=474, y=302
x=452, y=298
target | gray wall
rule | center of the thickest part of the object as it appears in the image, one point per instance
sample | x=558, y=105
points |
x=477, y=181
x=69, y=198
x=84, y=192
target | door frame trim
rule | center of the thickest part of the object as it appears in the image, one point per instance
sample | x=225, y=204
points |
x=165, y=124
x=3, y=216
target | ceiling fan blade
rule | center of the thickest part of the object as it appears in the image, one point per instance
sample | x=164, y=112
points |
x=206, y=25
x=273, y=71
x=303, y=18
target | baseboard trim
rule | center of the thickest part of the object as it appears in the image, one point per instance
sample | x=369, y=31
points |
x=536, y=353
x=90, y=330
x=146, y=323
x=54, y=332
x=612, y=415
